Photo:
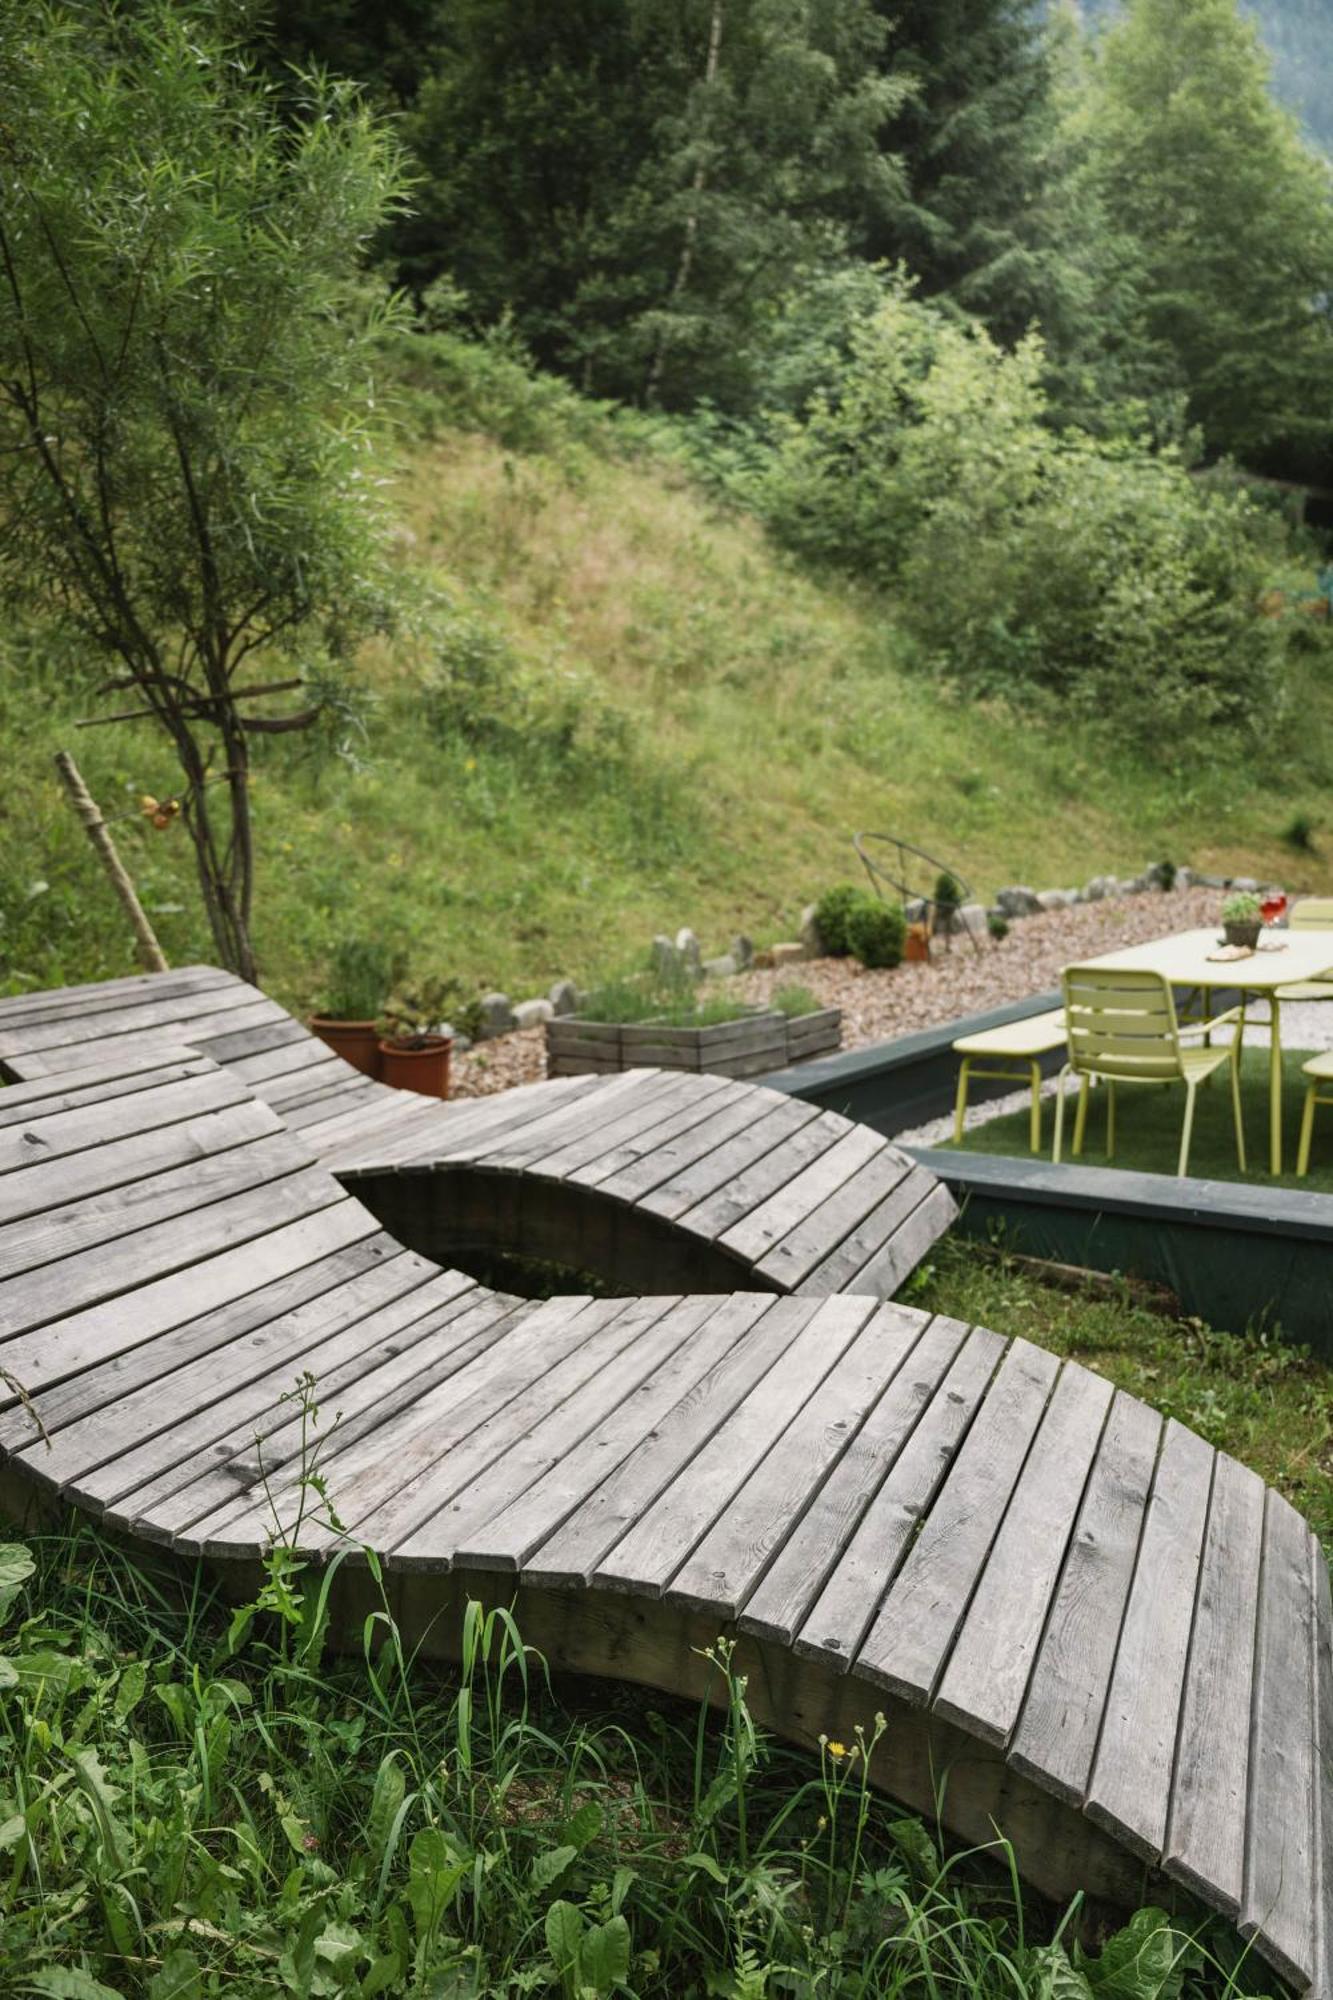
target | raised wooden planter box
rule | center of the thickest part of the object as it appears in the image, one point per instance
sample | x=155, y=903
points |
x=747, y=1047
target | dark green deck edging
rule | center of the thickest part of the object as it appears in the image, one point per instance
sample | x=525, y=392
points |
x=1236, y=1256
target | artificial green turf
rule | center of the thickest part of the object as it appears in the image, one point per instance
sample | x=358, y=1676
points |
x=1148, y=1122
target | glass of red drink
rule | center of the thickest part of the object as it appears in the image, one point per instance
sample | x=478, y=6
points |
x=1272, y=906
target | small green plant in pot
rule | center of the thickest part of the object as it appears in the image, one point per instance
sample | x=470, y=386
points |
x=1241, y=920
x=361, y=976
x=414, y=1055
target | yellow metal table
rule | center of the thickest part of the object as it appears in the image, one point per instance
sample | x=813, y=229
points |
x=1284, y=958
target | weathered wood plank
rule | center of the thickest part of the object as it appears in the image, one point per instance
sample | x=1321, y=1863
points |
x=763, y=1330
x=683, y=1097
x=667, y=1169
x=527, y=1519
x=988, y=1671
x=43, y=1096
x=63, y=1129
x=198, y=1385
x=238, y=1504
x=133, y=1318
x=1282, y=1889
x=776, y=1607
x=76, y=1030
x=714, y=1194
x=365, y=1476
x=225, y=1162
x=511, y=1141
x=771, y=1504
x=905, y=1211
x=64, y=1289
x=54, y=1001
x=823, y=1228
x=842, y=1613
x=592, y=1385
x=614, y=1168
x=1057, y=1735
x=1205, y=1837
x=909, y=1643
x=1322, y=1636
x=897, y=1258
x=90, y=1393
x=662, y=1538
x=55, y=1184
x=800, y=1194
x=1131, y=1777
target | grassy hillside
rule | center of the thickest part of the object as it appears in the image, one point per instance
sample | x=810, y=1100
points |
x=612, y=709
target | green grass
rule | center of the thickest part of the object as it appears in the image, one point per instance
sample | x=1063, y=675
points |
x=1265, y=1401
x=613, y=709
x=1148, y=1121
x=192, y=1805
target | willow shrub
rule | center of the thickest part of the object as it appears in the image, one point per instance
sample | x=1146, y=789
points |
x=1030, y=564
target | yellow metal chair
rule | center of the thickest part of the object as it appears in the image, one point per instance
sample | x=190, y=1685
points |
x=1319, y=1069
x=1311, y=913
x=1011, y=1054
x=1122, y=1028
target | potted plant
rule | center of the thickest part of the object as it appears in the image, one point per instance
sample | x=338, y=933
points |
x=415, y=1055
x=1240, y=919
x=361, y=975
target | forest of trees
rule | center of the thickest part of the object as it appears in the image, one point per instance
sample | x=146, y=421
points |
x=686, y=202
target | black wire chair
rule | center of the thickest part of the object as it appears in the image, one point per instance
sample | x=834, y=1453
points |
x=890, y=853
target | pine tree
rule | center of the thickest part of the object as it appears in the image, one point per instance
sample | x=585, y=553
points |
x=1230, y=218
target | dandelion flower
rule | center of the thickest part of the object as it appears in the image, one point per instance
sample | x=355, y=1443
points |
x=837, y=1749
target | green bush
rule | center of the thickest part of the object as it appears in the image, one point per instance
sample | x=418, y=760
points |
x=362, y=974
x=832, y=914
x=1095, y=574
x=877, y=933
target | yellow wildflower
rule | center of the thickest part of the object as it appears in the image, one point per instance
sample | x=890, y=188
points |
x=837, y=1749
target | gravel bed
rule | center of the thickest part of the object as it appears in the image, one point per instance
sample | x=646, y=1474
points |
x=880, y=1006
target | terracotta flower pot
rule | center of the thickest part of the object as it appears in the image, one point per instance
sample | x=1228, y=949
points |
x=357, y=1042
x=421, y=1064
x=917, y=945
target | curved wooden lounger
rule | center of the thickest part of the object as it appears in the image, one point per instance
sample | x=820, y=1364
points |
x=1084, y=1625
x=652, y=1179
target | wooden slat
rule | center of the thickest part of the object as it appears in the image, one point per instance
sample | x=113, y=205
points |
x=51, y=1184
x=911, y=1217
x=667, y=1167
x=908, y=1645
x=1205, y=1838
x=1281, y=1885
x=717, y=1192
x=96, y=1389
x=228, y=1159
x=53, y=1001
x=367, y=1474
x=987, y=1675
x=842, y=1612
x=412, y=1351
x=695, y=1337
x=763, y=1330
x=513, y=1140
x=1322, y=1637
x=614, y=1167
x=680, y=1096
x=769, y=1507
x=518, y=1453
x=200, y=1383
x=43, y=1096
x=775, y=1609
x=1131, y=1777
x=1057, y=1735
x=81, y=1127
x=831, y=1221
x=133, y=1318
x=665, y=1533
x=76, y=1030
x=801, y=1194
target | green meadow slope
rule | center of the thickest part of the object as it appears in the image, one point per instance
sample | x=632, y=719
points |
x=612, y=708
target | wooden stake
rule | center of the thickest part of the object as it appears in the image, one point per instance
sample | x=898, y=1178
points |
x=149, y=950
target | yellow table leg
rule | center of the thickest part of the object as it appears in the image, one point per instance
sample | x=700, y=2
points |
x=1275, y=1089
x=960, y=1106
x=1034, y=1125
